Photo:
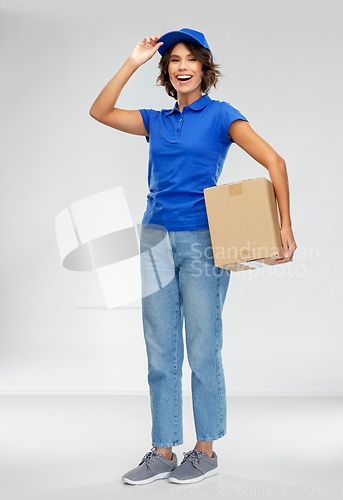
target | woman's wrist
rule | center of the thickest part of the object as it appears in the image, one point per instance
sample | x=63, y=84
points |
x=286, y=223
x=132, y=63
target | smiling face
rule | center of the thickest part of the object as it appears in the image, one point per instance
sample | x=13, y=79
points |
x=185, y=72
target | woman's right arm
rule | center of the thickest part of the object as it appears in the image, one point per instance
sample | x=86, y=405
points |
x=103, y=108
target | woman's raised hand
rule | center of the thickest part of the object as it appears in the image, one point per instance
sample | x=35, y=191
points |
x=145, y=49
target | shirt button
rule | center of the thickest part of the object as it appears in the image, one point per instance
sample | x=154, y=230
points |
x=180, y=119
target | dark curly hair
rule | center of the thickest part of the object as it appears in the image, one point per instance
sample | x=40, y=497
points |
x=210, y=69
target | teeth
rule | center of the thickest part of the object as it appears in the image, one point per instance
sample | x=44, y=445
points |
x=184, y=77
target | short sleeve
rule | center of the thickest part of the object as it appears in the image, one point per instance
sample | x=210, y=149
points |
x=146, y=115
x=225, y=116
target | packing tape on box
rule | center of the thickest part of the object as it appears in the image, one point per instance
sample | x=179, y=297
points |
x=254, y=264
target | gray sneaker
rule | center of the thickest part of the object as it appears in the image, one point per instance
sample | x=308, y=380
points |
x=195, y=466
x=152, y=466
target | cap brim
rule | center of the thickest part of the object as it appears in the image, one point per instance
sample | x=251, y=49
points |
x=174, y=36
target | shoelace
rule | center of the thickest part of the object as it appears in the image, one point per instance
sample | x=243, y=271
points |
x=193, y=456
x=149, y=456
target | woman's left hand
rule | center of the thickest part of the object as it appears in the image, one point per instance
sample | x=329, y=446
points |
x=288, y=244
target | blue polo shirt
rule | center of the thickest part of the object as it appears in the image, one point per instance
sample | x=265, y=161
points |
x=186, y=155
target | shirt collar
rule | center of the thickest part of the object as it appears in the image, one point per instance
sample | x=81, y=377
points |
x=197, y=105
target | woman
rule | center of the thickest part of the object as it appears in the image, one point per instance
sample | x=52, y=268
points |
x=188, y=146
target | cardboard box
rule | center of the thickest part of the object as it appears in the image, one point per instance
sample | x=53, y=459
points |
x=244, y=224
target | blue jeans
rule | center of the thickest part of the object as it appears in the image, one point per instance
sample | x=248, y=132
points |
x=181, y=283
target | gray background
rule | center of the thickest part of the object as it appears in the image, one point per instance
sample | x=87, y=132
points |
x=283, y=71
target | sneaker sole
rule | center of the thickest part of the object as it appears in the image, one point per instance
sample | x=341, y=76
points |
x=163, y=475
x=195, y=479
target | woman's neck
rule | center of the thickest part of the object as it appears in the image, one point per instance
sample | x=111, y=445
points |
x=186, y=99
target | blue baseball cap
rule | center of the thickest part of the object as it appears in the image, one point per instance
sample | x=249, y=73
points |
x=186, y=35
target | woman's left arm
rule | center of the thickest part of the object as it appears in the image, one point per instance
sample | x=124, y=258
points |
x=243, y=135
